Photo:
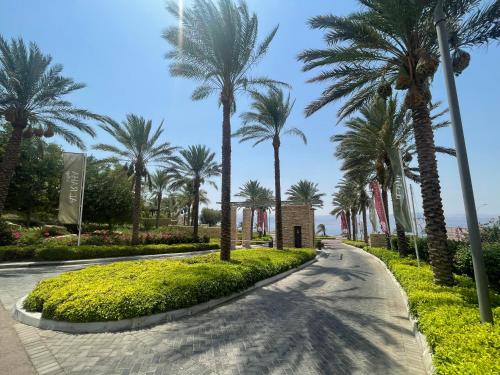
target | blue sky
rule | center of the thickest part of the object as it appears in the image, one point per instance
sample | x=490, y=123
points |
x=114, y=46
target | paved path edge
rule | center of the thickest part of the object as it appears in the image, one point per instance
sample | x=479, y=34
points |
x=36, y=320
x=419, y=336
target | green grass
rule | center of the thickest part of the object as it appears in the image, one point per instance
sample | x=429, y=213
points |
x=132, y=289
x=448, y=317
x=64, y=252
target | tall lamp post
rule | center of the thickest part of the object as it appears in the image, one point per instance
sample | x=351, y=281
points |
x=463, y=167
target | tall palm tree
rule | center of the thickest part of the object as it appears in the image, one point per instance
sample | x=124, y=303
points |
x=348, y=195
x=342, y=205
x=159, y=183
x=267, y=122
x=255, y=195
x=32, y=100
x=305, y=192
x=185, y=199
x=216, y=44
x=139, y=146
x=321, y=229
x=382, y=127
x=196, y=164
x=393, y=42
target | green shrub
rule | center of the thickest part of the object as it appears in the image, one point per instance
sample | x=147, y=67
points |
x=360, y=244
x=131, y=289
x=423, y=249
x=62, y=252
x=6, y=234
x=462, y=262
x=448, y=317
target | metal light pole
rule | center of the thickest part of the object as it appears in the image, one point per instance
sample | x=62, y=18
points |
x=463, y=167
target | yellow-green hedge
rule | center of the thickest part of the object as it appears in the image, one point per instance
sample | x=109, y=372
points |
x=360, y=244
x=448, y=317
x=65, y=252
x=131, y=289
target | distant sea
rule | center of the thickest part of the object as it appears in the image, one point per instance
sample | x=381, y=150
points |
x=333, y=224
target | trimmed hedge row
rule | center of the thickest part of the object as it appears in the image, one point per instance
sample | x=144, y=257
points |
x=16, y=253
x=462, y=257
x=448, y=317
x=360, y=244
x=132, y=289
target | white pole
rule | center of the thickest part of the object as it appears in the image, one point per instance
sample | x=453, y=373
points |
x=82, y=193
x=414, y=225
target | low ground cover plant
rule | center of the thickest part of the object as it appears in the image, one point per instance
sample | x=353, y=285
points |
x=448, y=317
x=64, y=252
x=131, y=289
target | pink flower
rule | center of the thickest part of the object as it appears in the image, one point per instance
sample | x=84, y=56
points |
x=46, y=234
x=17, y=235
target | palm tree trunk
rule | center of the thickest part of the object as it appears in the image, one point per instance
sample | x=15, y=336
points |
x=354, y=226
x=385, y=201
x=402, y=241
x=277, y=188
x=435, y=227
x=136, y=212
x=225, y=225
x=365, y=225
x=10, y=158
x=196, y=206
x=158, y=206
x=348, y=219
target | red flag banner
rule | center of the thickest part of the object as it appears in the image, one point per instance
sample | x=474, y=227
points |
x=379, y=206
x=343, y=222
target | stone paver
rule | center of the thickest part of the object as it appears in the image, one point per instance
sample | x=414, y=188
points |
x=341, y=315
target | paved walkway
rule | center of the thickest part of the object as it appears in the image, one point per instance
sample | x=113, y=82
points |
x=342, y=315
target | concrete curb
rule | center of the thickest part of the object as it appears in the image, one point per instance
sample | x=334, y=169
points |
x=36, y=320
x=419, y=336
x=20, y=265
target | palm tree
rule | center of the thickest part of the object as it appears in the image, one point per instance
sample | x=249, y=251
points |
x=255, y=195
x=383, y=127
x=393, y=42
x=197, y=165
x=139, y=146
x=342, y=205
x=267, y=123
x=31, y=100
x=216, y=44
x=321, y=228
x=348, y=196
x=159, y=183
x=305, y=192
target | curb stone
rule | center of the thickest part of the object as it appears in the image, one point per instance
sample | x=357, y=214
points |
x=419, y=336
x=35, y=319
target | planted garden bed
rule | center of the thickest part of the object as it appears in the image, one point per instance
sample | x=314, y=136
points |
x=62, y=252
x=448, y=317
x=133, y=289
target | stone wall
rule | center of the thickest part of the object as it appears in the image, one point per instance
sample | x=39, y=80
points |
x=246, y=230
x=378, y=240
x=295, y=215
x=234, y=228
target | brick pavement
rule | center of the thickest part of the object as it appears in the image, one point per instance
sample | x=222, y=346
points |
x=342, y=315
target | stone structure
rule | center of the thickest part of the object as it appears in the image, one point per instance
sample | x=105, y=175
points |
x=298, y=226
x=378, y=240
x=246, y=228
x=234, y=228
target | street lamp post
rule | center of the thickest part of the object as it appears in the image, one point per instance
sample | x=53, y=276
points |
x=463, y=167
